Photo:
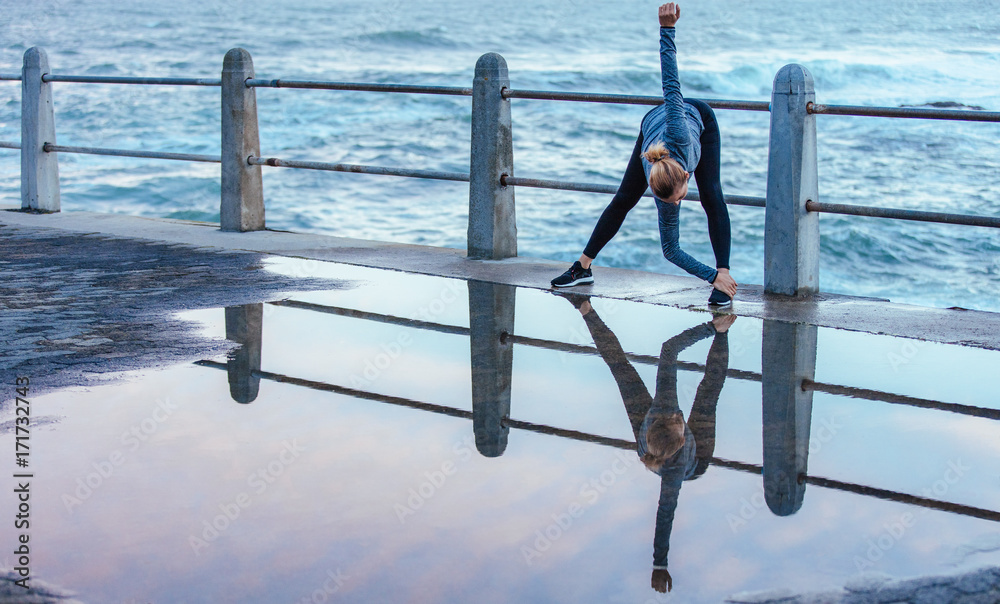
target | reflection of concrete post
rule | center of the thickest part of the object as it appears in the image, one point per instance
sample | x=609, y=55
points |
x=243, y=326
x=491, y=318
x=788, y=357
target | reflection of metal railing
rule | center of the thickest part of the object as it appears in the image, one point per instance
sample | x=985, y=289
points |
x=788, y=358
x=808, y=384
x=867, y=491
x=791, y=252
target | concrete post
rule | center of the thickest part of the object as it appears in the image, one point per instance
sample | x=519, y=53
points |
x=791, y=234
x=491, y=320
x=492, y=227
x=242, y=189
x=244, y=325
x=39, y=170
x=788, y=356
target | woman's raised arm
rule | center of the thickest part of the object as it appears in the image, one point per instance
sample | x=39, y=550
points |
x=672, y=97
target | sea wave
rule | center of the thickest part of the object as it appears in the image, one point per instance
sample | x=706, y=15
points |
x=436, y=37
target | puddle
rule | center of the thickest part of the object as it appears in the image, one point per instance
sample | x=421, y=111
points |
x=378, y=443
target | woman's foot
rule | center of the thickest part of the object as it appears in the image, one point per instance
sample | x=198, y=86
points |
x=719, y=298
x=576, y=275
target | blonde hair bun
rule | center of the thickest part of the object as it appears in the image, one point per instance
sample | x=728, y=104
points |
x=666, y=175
x=656, y=153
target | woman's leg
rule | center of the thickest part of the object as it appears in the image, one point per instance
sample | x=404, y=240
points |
x=701, y=420
x=634, y=393
x=629, y=193
x=710, y=186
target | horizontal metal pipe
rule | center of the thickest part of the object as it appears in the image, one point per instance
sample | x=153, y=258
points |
x=49, y=77
x=214, y=159
x=431, y=407
x=924, y=502
x=626, y=99
x=739, y=374
x=901, y=214
x=360, y=169
x=752, y=376
x=358, y=86
x=585, y=97
x=642, y=359
x=900, y=399
x=829, y=483
x=906, y=112
x=373, y=316
x=733, y=200
x=814, y=108
x=562, y=185
x=9, y=145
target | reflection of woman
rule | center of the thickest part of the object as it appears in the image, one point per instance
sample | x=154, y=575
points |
x=667, y=445
x=678, y=138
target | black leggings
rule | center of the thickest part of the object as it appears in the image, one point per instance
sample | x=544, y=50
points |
x=634, y=184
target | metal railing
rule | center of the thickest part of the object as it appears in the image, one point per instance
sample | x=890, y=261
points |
x=50, y=148
x=357, y=168
x=48, y=77
x=790, y=256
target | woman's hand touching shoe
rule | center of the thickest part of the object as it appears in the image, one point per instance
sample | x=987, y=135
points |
x=725, y=283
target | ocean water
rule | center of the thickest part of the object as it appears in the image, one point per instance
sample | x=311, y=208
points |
x=903, y=53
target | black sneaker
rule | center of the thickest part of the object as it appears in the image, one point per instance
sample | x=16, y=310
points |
x=719, y=298
x=576, y=275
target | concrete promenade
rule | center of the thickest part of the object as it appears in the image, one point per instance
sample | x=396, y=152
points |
x=952, y=326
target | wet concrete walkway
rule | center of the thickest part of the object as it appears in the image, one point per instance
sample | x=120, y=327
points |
x=951, y=326
x=76, y=306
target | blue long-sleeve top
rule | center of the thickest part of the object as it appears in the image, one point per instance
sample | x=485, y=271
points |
x=674, y=123
x=678, y=125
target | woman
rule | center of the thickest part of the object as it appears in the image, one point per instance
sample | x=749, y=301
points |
x=677, y=138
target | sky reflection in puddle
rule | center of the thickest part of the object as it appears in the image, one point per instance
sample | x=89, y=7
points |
x=348, y=451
